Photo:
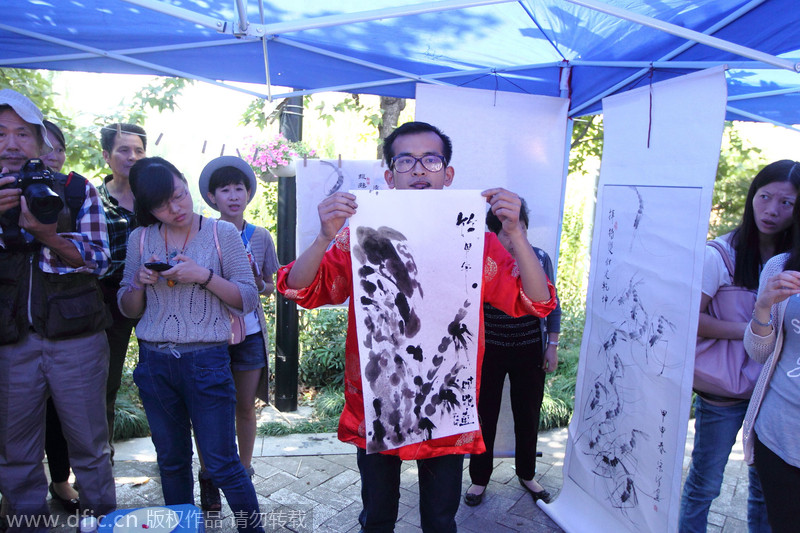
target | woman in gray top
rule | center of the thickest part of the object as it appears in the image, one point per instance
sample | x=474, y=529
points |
x=185, y=275
x=772, y=424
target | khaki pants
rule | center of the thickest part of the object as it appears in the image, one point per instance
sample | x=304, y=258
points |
x=74, y=372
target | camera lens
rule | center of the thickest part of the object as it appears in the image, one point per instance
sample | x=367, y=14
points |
x=43, y=203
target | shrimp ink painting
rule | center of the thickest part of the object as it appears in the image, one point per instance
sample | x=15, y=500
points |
x=628, y=413
x=417, y=272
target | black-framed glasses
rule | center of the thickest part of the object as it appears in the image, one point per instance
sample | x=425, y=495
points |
x=430, y=162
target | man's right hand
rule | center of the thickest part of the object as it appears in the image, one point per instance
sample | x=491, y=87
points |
x=333, y=212
x=9, y=198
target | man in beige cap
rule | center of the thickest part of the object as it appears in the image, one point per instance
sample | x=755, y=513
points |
x=52, y=321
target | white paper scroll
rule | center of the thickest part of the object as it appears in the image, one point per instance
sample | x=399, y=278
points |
x=319, y=178
x=504, y=139
x=417, y=272
x=511, y=140
x=626, y=437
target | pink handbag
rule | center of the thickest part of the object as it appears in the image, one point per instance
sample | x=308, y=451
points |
x=721, y=366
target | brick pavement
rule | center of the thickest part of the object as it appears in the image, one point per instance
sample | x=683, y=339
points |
x=311, y=483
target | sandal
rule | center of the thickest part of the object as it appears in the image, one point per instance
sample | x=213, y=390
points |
x=210, y=500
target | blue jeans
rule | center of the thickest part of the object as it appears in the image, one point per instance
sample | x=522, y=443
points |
x=715, y=429
x=439, y=491
x=195, y=388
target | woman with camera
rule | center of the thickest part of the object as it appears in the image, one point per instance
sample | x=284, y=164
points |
x=184, y=276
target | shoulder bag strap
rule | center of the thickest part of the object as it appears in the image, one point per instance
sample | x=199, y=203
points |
x=141, y=242
x=216, y=242
x=725, y=257
x=249, y=229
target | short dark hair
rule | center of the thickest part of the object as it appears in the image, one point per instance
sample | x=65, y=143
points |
x=108, y=134
x=227, y=175
x=745, y=239
x=37, y=127
x=494, y=224
x=410, y=128
x=152, y=184
x=56, y=132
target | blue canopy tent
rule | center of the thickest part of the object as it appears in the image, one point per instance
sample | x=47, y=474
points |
x=584, y=49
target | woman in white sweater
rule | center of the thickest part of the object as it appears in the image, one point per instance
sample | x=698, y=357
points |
x=184, y=275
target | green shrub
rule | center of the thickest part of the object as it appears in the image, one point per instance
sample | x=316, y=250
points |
x=559, y=391
x=322, y=339
x=129, y=419
x=329, y=403
x=277, y=429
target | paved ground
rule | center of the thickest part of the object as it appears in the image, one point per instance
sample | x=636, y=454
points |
x=311, y=483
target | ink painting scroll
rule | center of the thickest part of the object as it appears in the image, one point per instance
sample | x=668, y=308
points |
x=625, y=453
x=417, y=272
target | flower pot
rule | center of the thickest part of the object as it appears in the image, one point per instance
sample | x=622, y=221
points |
x=268, y=177
x=285, y=171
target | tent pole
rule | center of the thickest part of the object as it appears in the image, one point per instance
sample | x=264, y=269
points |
x=286, y=322
x=241, y=10
x=685, y=33
x=758, y=118
x=157, y=69
x=764, y=94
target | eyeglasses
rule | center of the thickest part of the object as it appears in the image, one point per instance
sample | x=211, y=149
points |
x=177, y=198
x=430, y=162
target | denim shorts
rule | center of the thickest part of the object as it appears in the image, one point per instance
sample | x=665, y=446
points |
x=250, y=354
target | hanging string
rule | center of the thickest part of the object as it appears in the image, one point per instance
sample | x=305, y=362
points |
x=650, y=111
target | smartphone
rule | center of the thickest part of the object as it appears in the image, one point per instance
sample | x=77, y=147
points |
x=158, y=266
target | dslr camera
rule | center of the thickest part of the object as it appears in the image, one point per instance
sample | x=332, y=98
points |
x=36, y=182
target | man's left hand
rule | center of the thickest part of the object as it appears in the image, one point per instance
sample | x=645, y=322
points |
x=505, y=205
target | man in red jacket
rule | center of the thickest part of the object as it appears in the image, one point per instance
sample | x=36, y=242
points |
x=417, y=155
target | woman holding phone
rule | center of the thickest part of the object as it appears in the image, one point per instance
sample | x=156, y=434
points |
x=185, y=275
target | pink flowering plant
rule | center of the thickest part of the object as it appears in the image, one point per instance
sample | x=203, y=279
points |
x=277, y=152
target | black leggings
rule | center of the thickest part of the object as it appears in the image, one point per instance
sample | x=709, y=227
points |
x=780, y=483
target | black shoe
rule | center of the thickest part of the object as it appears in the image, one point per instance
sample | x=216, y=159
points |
x=474, y=499
x=71, y=505
x=541, y=495
x=210, y=500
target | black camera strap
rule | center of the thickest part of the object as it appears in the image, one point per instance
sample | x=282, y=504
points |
x=74, y=196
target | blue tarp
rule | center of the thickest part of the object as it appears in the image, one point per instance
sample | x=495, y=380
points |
x=376, y=47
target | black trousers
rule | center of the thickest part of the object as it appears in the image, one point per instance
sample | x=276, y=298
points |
x=780, y=483
x=119, y=335
x=526, y=375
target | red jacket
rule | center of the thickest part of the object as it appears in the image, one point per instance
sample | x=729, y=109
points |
x=502, y=288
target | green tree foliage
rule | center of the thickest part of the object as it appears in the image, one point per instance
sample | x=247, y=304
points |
x=586, y=144
x=322, y=340
x=83, y=144
x=739, y=163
